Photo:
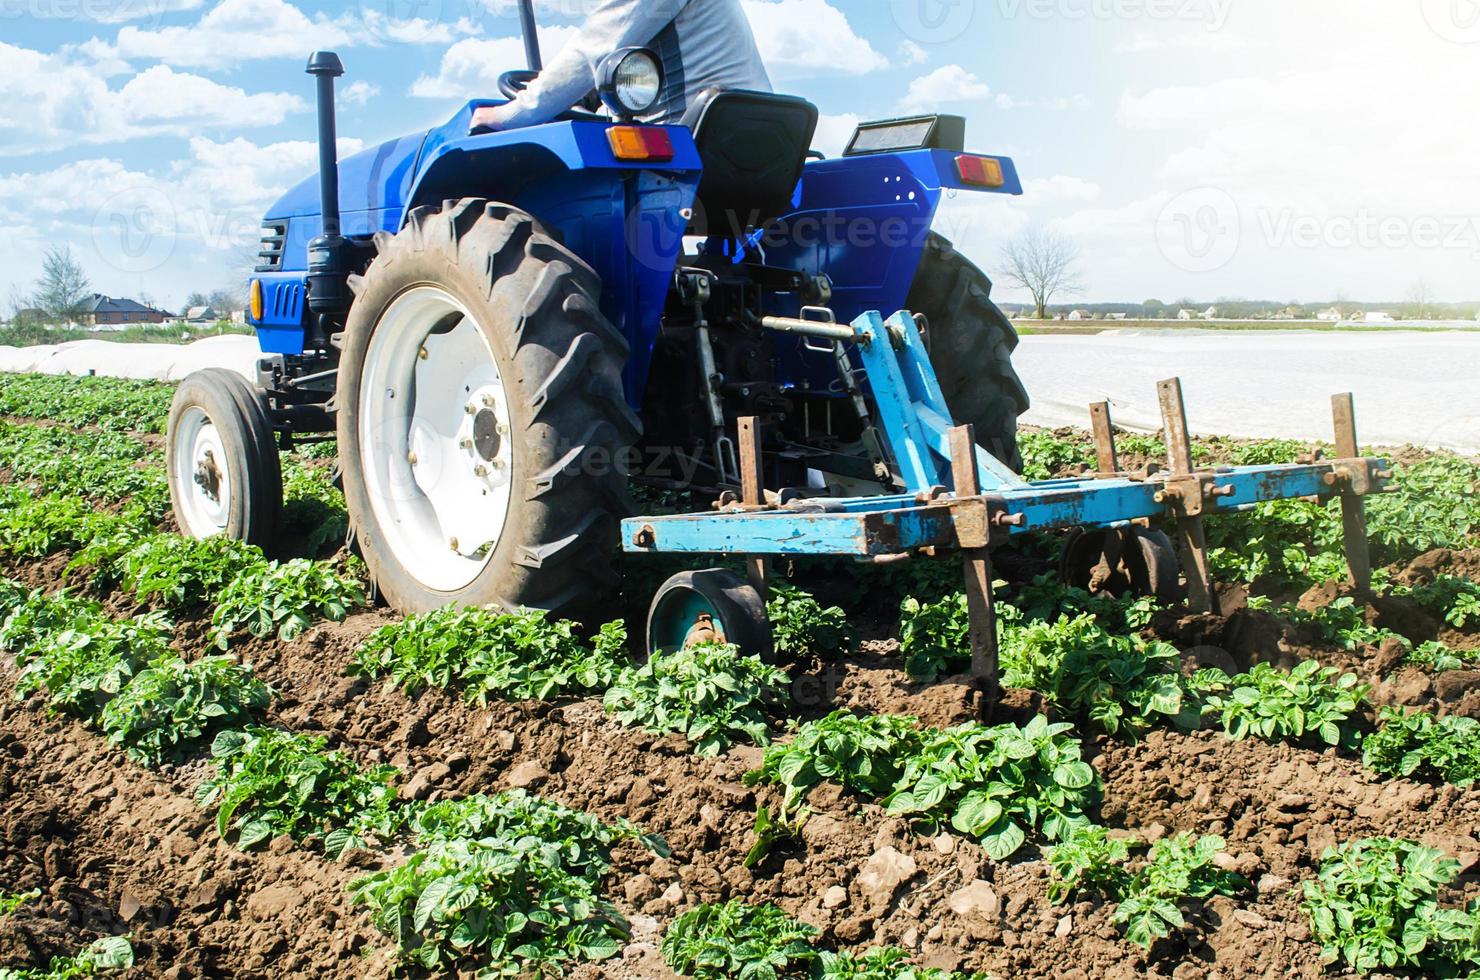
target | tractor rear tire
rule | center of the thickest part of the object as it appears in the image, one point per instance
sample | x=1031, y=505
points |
x=217, y=413
x=971, y=343
x=567, y=425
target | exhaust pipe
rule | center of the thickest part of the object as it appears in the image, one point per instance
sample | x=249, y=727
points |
x=330, y=256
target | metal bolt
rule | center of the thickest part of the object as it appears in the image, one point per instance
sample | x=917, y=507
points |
x=1383, y=474
x=498, y=464
x=480, y=471
x=453, y=544
x=646, y=537
x=465, y=444
x=423, y=354
x=488, y=401
x=1216, y=491
x=1009, y=520
x=470, y=408
x=503, y=429
x=411, y=458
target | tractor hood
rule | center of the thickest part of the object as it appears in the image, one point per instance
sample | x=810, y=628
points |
x=372, y=181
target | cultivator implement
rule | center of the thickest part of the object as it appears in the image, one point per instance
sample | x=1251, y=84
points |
x=957, y=497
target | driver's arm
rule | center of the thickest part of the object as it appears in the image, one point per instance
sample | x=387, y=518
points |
x=566, y=80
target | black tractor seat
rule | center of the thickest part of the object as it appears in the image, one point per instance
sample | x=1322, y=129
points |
x=754, y=146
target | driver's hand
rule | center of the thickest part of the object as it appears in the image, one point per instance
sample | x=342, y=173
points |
x=486, y=120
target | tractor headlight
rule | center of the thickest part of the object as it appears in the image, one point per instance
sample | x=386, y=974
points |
x=631, y=81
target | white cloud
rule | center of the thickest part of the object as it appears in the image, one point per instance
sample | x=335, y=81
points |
x=53, y=102
x=800, y=38
x=1196, y=41
x=949, y=83
x=359, y=93
x=471, y=67
x=1062, y=103
x=834, y=132
x=245, y=30
x=911, y=53
x=100, y=11
x=1058, y=189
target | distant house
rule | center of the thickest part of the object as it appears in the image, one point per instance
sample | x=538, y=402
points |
x=1081, y=315
x=1210, y=313
x=1378, y=316
x=1186, y=315
x=1333, y=315
x=201, y=314
x=105, y=311
x=1115, y=316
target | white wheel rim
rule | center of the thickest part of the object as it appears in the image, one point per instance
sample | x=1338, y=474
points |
x=203, y=481
x=435, y=447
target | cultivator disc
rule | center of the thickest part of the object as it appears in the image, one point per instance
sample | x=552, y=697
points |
x=1122, y=561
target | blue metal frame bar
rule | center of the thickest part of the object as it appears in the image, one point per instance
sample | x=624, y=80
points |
x=873, y=526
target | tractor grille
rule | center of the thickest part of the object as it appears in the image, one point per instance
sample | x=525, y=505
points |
x=270, y=259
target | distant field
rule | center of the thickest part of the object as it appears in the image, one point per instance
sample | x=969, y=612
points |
x=1089, y=327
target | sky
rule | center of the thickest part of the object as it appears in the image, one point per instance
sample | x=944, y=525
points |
x=1308, y=150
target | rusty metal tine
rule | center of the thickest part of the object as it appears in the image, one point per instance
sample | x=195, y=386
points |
x=752, y=493
x=977, y=568
x=1192, y=539
x=1106, y=457
x=1174, y=421
x=1353, y=507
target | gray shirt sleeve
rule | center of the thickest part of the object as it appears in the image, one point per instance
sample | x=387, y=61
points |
x=566, y=80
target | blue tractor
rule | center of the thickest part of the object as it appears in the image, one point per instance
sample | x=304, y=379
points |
x=504, y=332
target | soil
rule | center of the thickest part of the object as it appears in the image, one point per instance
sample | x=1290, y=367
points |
x=116, y=848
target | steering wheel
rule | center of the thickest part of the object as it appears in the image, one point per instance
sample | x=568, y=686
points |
x=511, y=83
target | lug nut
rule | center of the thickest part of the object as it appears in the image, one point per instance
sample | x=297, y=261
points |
x=488, y=401
x=453, y=544
x=411, y=458
x=423, y=354
x=470, y=408
x=480, y=471
x=465, y=444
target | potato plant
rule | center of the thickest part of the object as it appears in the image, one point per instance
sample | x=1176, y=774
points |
x=116, y=404
x=505, y=907
x=172, y=706
x=1309, y=702
x=85, y=666
x=1149, y=898
x=513, y=656
x=1418, y=743
x=735, y=940
x=34, y=526
x=269, y=782
x=1375, y=907
x=710, y=694
x=106, y=955
x=584, y=843
x=802, y=627
x=283, y=599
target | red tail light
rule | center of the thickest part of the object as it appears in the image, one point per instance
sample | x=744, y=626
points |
x=640, y=144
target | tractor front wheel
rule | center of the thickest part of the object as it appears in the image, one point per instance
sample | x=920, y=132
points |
x=971, y=343
x=481, y=419
x=222, y=459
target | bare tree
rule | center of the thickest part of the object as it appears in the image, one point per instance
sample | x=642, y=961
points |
x=1421, y=299
x=63, y=289
x=228, y=300
x=1045, y=264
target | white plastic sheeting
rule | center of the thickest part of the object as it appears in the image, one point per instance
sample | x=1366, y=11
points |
x=1419, y=388
x=1411, y=388
x=160, y=362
